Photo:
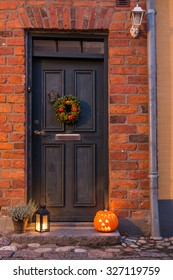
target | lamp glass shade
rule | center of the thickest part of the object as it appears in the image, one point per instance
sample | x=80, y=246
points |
x=137, y=15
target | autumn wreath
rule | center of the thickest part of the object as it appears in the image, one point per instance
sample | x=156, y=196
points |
x=67, y=109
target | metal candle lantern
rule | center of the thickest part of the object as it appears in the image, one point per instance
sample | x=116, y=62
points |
x=42, y=219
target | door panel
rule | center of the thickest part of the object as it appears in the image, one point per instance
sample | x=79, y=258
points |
x=53, y=81
x=85, y=91
x=69, y=173
x=85, y=185
x=54, y=168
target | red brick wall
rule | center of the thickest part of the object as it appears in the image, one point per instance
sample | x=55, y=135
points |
x=127, y=95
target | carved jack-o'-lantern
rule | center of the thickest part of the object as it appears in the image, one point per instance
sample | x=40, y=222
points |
x=105, y=221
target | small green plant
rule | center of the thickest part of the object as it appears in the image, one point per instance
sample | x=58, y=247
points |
x=22, y=211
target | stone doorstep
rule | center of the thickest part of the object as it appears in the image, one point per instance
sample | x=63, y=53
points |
x=65, y=234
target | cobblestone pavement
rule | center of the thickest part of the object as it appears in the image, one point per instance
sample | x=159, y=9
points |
x=130, y=248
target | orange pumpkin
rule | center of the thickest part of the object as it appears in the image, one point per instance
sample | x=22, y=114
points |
x=105, y=221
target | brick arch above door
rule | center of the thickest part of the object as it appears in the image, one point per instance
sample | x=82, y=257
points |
x=65, y=17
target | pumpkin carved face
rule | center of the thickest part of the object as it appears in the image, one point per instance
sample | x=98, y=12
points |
x=105, y=221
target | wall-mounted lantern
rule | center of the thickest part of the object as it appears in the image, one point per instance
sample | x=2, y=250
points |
x=136, y=16
x=42, y=219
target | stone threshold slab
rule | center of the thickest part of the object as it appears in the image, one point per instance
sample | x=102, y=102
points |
x=67, y=236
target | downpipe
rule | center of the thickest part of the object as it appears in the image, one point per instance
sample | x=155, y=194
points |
x=152, y=83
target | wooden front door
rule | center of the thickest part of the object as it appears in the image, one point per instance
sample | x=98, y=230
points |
x=69, y=171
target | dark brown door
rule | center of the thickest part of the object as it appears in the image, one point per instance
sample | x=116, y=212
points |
x=70, y=174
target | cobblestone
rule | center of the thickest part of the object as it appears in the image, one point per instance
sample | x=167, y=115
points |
x=80, y=250
x=65, y=249
x=8, y=248
x=43, y=250
x=34, y=245
x=129, y=248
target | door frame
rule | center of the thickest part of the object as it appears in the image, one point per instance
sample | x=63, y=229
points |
x=29, y=55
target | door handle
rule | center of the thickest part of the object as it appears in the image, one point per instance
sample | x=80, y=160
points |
x=39, y=132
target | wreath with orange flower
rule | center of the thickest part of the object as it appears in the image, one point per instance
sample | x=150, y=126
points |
x=67, y=109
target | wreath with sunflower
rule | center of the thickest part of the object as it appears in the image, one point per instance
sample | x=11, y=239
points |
x=67, y=109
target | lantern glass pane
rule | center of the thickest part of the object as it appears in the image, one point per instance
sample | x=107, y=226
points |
x=137, y=18
x=37, y=222
x=45, y=223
